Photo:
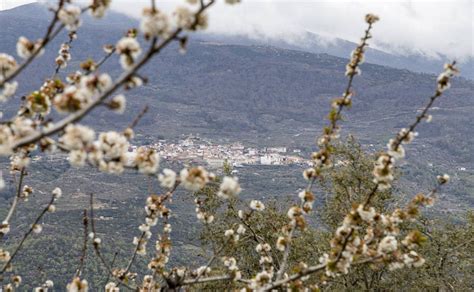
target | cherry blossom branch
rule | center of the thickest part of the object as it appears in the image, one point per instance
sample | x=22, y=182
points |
x=167, y=196
x=255, y=236
x=309, y=271
x=423, y=115
x=49, y=35
x=209, y=263
x=334, y=117
x=210, y=279
x=79, y=115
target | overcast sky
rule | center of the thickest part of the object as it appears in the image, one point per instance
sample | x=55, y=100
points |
x=444, y=26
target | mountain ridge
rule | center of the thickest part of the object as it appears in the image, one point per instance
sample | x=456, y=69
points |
x=307, y=41
x=314, y=43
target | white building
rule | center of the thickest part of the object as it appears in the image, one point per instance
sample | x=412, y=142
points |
x=276, y=149
x=271, y=159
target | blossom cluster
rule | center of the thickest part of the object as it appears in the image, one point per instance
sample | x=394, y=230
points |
x=384, y=166
x=70, y=17
x=202, y=215
x=231, y=264
x=64, y=55
x=265, y=275
x=186, y=19
x=15, y=283
x=232, y=236
x=8, y=65
x=27, y=191
x=255, y=205
x=78, y=285
x=129, y=49
x=155, y=23
x=229, y=187
x=26, y=48
x=357, y=56
x=111, y=287
x=98, y=7
x=195, y=178
x=167, y=178
x=81, y=91
x=444, y=78
x=155, y=209
x=109, y=153
x=149, y=284
x=162, y=251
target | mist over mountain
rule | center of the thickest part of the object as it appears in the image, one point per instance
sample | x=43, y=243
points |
x=315, y=43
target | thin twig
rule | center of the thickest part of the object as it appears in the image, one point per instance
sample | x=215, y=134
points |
x=69, y=42
x=139, y=117
x=25, y=236
x=15, y=199
x=104, y=59
x=111, y=264
x=97, y=248
x=84, y=246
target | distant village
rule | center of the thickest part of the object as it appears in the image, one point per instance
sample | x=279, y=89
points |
x=196, y=149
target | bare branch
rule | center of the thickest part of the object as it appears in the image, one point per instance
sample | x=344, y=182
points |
x=85, y=223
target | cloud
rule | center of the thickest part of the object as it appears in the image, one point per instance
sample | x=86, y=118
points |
x=8, y=4
x=428, y=27
x=407, y=26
